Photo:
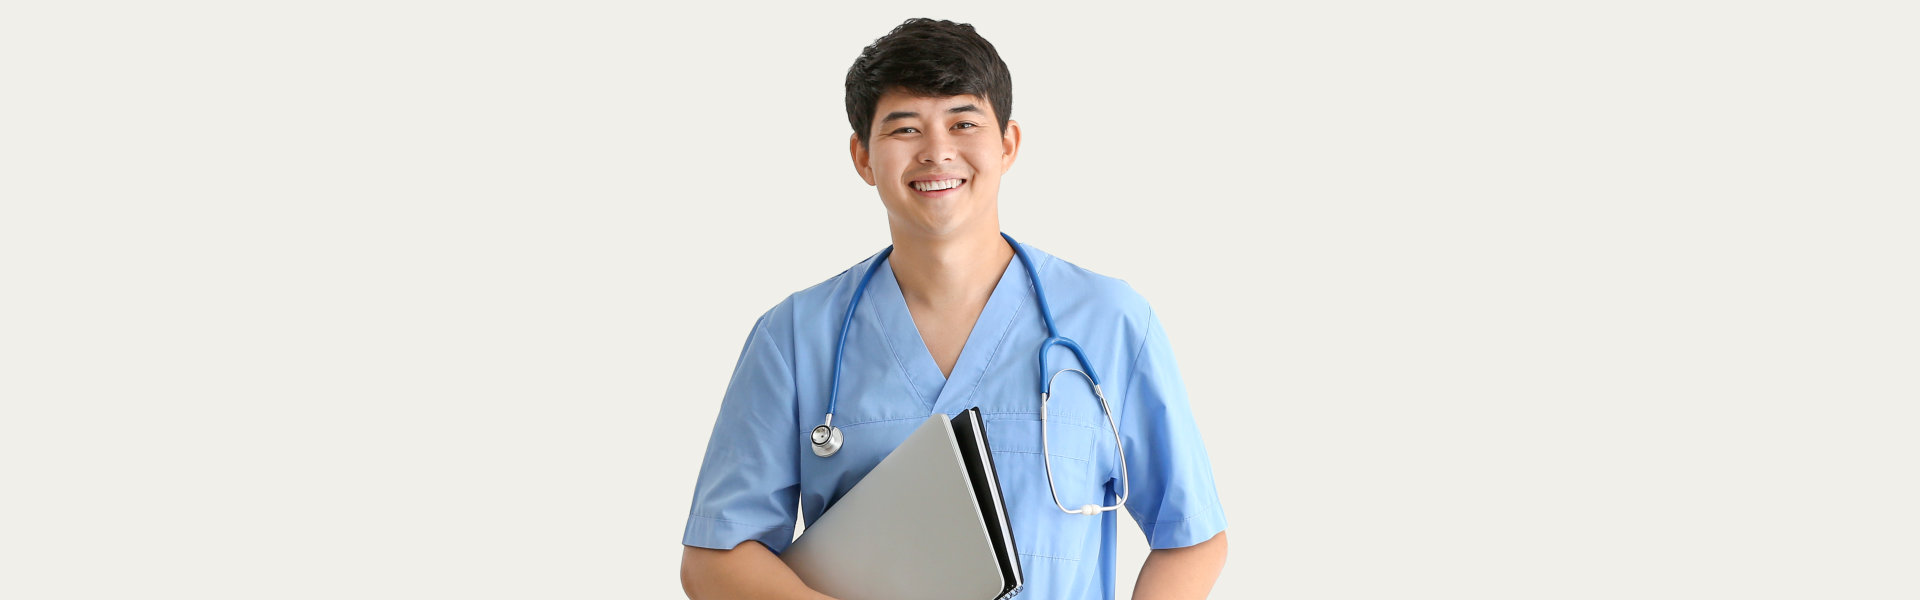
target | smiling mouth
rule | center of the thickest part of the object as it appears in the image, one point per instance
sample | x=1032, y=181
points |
x=935, y=186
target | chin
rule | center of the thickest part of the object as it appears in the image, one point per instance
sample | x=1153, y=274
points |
x=935, y=223
x=932, y=228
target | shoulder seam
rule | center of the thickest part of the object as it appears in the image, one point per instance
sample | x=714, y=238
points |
x=1133, y=371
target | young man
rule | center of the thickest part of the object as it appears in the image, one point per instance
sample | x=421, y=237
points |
x=949, y=321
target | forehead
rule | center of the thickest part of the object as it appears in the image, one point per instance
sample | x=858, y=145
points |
x=897, y=101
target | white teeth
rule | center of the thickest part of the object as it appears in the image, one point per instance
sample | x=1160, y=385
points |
x=934, y=186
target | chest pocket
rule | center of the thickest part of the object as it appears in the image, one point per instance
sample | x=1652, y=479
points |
x=1040, y=530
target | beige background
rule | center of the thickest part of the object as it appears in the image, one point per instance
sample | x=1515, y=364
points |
x=1491, y=300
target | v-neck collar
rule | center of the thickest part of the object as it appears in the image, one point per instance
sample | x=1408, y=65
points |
x=951, y=393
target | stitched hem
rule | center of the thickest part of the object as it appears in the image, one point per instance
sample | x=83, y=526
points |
x=1187, y=532
x=722, y=534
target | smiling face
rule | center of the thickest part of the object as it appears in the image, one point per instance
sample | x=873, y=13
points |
x=937, y=163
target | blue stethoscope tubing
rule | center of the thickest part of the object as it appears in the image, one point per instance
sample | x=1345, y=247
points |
x=827, y=439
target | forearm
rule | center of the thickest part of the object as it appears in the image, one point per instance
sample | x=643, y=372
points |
x=1182, y=573
x=749, y=570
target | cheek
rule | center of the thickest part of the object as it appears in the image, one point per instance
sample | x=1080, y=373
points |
x=985, y=159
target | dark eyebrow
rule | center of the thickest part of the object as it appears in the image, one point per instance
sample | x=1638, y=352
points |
x=907, y=114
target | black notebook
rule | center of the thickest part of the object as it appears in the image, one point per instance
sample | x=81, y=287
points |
x=971, y=433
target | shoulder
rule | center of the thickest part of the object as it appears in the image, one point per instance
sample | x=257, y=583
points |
x=1071, y=287
x=816, y=302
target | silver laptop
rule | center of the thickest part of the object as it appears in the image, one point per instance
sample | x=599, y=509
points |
x=927, y=522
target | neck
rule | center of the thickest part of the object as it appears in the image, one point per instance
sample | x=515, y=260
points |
x=954, y=271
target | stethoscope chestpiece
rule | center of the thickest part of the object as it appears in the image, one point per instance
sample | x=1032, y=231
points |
x=826, y=440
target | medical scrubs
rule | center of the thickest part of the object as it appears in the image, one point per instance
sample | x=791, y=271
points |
x=759, y=463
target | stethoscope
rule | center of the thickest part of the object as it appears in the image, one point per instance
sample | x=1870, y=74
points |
x=827, y=439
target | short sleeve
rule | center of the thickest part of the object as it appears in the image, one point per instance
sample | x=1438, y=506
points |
x=749, y=482
x=1172, y=494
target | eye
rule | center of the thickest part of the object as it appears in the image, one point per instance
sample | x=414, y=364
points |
x=968, y=124
x=906, y=130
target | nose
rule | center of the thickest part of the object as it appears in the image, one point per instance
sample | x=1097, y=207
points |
x=939, y=148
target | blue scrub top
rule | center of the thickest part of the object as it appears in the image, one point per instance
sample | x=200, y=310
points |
x=759, y=463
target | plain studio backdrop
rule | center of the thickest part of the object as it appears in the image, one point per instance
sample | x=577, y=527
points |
x=1473, y=300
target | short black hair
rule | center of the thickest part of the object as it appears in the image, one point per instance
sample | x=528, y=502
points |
x=925, y=57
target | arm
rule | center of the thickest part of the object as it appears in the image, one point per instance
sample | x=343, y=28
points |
x=749, y=570
x=747, y=498
x=1173, y=498
x=1182, y=572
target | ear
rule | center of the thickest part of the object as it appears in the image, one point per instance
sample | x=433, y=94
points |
x=860, y=158
x=1009, y=145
